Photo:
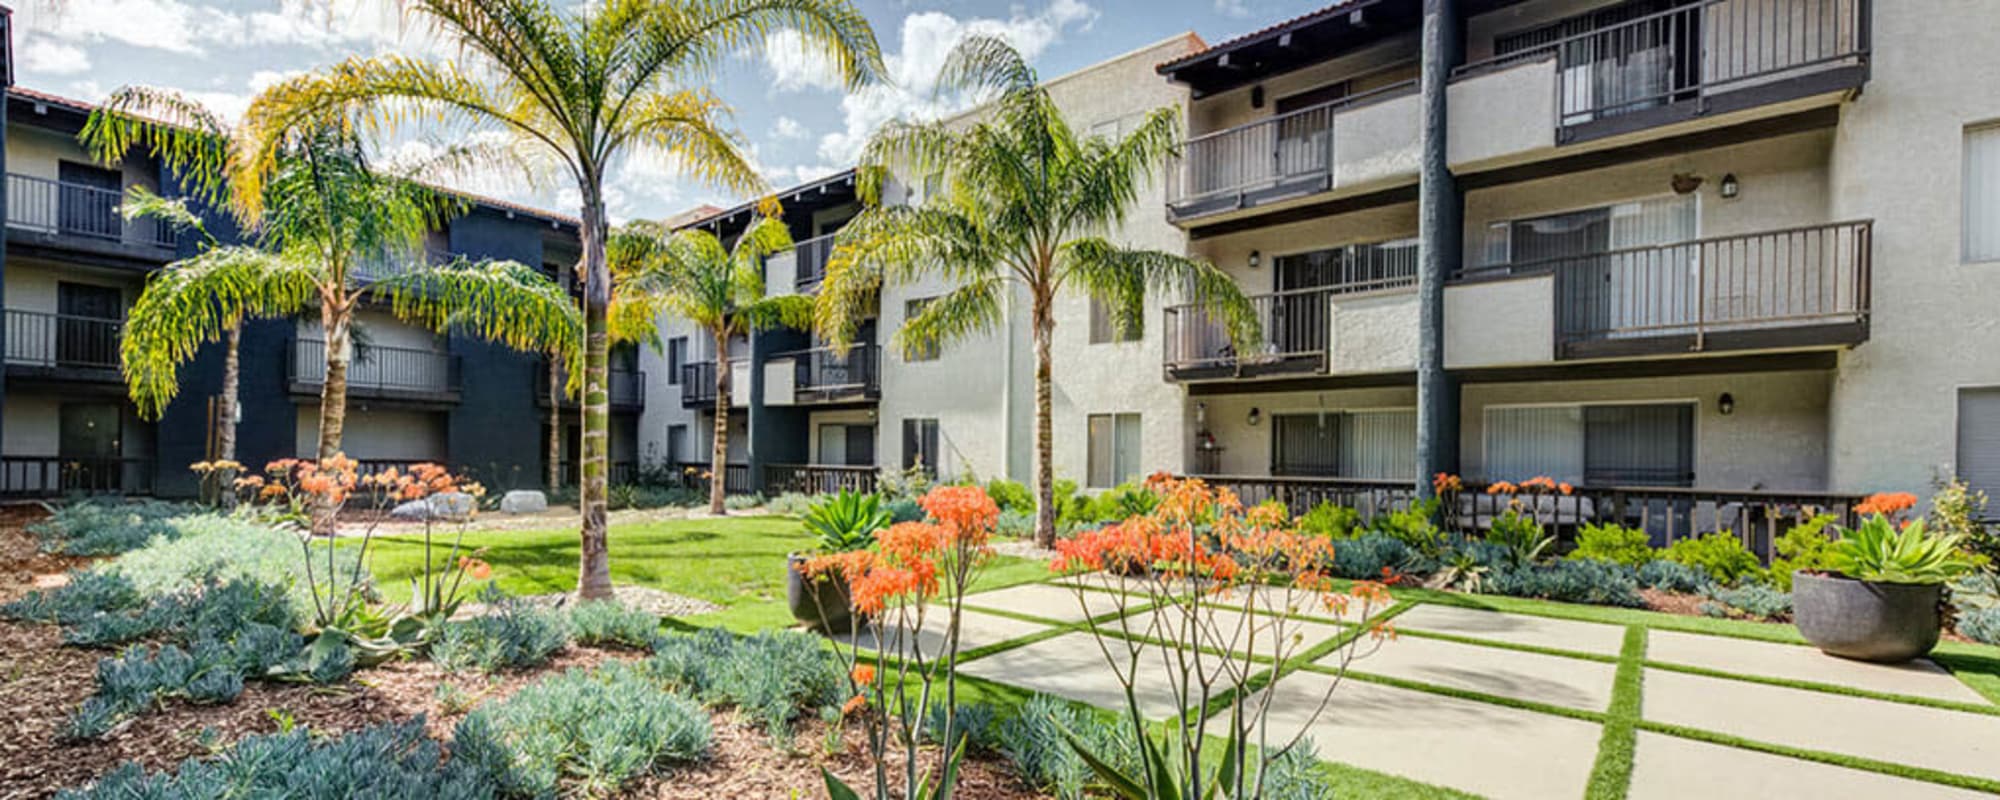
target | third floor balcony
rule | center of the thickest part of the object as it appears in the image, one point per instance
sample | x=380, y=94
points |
x=66, y=346
x=378, y=371
x=80, y=215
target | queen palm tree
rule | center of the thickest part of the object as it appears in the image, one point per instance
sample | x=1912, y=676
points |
x=1026, y=206
x=721, y=290
x=582, y=87
x=325, y=234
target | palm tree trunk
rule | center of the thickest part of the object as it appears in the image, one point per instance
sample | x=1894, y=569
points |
x=594, y=567
x=333, y=390
x=225, y=429
x=1045, y=487
x=555, y=422
x=718, y=466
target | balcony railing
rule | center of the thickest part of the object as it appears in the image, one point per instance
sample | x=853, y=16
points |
x=50, y=341
x=810, y=257
x=1797, y=286
x=817, y=478
x=72, y=209
x=1669, y=514
x=55, y=476
x=627, y=390
x=1699, y=55
x=618, y=473
x=380, y=370
x=694, y=475
x=823, y=375
x=1286, y=155
x=1295, y=326
x=698, y=384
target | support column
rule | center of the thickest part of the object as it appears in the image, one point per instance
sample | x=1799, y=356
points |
x=1440, y=230
x=756, y=417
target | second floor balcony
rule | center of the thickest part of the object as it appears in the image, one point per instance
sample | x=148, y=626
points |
x=82, y=215
x=800, y=270
x=820, y=375
x=381, y=372
x=1353, y=141
x=698, y=383
x=627, y=390
x=69, y=346
x=1297, y=326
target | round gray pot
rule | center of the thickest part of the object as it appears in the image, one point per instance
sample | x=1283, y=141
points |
x=1885, y=622
x=820, y=603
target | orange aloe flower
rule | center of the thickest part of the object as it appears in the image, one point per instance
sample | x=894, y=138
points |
x=863, y=674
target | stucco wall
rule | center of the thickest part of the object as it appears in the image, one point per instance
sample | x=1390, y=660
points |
x=1775, y=438
x=1378, y=65
x=1496, y=322
x=1373, y=332
x=380, y=433
x=31, y=283
x=33, y=427
x=1247, y=448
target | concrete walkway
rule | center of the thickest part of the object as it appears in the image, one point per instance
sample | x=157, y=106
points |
x=1509, y=705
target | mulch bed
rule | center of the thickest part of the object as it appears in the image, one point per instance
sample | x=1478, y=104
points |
x=1688, y=605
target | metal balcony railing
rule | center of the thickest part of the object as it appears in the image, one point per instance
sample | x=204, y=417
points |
x=42, y=339
x=810, y=257
x=698, y=384
x=823, y=374
x=1289, y=154
x=1294, y=324
x=72, y=209
x=56, y=476
x=379, y=369
x=627, y=389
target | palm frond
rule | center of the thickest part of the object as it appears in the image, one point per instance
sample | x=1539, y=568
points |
x=1122, y=277
x=499, y=301
x=974, y=307
x=187, y=138
x=195, y=301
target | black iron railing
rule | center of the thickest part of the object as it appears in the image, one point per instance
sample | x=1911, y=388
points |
x=821, y=374
x=817, y=478
x=809, y=262
x=1286, y=154
x=380, y=369
x=695, y=475
x=41, y=339
x=73, y=209
x=627, y=391
x=698, y=384
x=54, y=476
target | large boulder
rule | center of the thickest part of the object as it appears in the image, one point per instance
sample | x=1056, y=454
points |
x=524, y=501
x=454, y=506
x=418, y=510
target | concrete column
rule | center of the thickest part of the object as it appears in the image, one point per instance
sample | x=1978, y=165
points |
x=1440, y=213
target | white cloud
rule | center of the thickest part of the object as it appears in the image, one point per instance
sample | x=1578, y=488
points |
x=793, y=66
x=928, y=38
x=788, y=128
x=170, y=25
x=45, y=57
x=1236, y=9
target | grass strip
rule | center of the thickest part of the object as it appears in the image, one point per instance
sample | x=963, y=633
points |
x=1915, y=773
x=1611, y=775
x=1831, y=688
x=1504, y=645
x=1977, y=666
x=1462, y=694
x=1303, y=660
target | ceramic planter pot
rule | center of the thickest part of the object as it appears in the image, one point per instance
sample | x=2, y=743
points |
x=821, y=603
x=1867, y=621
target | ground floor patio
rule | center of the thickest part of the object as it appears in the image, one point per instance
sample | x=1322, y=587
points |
x=1504, y=698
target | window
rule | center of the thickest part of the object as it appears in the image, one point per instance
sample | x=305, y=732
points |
x=1982, y=193
x=676, y=443
x=1608, y=445
x=926, y=351
x=1358, y=444
x=677, y=356
x=920, y=444
x=1104, y=325
x=1979, y=441
x=848, y=445
x=1592, y=231
x=1114, y=449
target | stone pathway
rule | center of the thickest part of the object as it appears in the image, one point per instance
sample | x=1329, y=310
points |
x=1511, y=705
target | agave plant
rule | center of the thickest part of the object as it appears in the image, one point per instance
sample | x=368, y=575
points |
x=846, y=521
x=1878, y=552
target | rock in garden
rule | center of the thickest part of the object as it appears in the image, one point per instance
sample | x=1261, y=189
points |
x=415, y=509
x=524, y=501
x=453, y=506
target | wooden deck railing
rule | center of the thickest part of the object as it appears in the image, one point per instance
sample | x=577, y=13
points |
x=817, y=478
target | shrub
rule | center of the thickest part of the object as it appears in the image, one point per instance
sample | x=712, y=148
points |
x=1011, y=495
x=977, y=723
x=905, y=510
x=1673, y=576
x=584, y=732
x=1298, y=775
x=1367, y=556
x=609, y=622
x=1614, y=543
x=100, y=527
x=1015, y=524
x=142, y=677
x=1123, y=502
x=772, y=677
x=1033, y=739
x=513, y=634
x=1521, y=535
x=1755, y=600
x=743, y=502
x=846, y=521
x=224, y=548
x=1412, y=526
x=393, y=760
x=1332, y=520
x=89, y=593
x=1594, y=582
x=1980, y=625
x=1720, y=554
x=1805, y=546
x=790, y=503
x=1957, y=510
x=647, y=496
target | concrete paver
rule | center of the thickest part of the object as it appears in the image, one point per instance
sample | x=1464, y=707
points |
x=1952, y=741
x=1555, y=680
x=1586, y=637
x=1798, y=662
x=1049, y=601
x=1072, y=666
x=975, y=630
x=1225, y=630
x=1672, y=768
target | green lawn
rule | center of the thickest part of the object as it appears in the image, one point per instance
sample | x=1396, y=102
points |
x=735, y=562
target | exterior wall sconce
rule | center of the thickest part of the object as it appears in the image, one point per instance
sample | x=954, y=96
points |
x=1256, y=416
x=1256, y=258
x=1726, y=404
x=1730, y=187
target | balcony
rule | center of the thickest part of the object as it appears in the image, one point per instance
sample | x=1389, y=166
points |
x=698, y=384
x=60, y=476
x=389, y=373
x=73, y=215
x=1358, y=140
x=1619, y=71
x=819, y=375
x=801, y=270
x=1794, y=288
x=627, y=390
x=63, y=346
x=1300, y=328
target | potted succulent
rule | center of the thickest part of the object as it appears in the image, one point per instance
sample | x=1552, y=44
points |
x=1881, y=597
x=840, y=523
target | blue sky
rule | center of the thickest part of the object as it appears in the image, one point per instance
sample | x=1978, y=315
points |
x=797, y=123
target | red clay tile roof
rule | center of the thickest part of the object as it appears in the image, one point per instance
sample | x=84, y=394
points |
x=1279, y=27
